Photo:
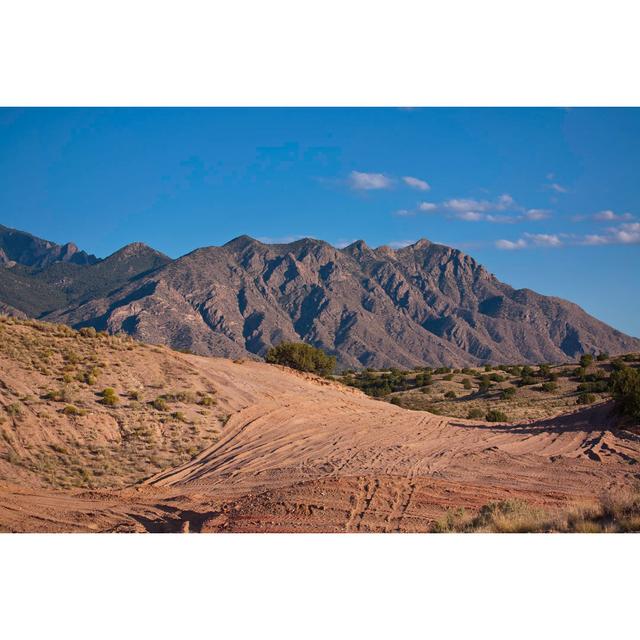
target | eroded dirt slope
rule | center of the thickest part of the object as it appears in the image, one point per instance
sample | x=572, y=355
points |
x=302, y=454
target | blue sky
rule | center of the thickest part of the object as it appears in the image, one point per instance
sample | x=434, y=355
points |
x=545, y=198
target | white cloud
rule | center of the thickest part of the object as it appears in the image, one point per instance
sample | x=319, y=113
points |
x=427, y=206
x=537, y=214
x=609, y=215
x=530, y=239
x=366, y=181
x=416, y=183
x=510, y=245
x=469, y=216
x=501, y=203
x=544, y=239
x=603, y=216
x=628, y=233
x=490, y=217
x=594, y=239
x=558, y=188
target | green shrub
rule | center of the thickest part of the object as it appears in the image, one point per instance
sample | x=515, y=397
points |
x=110, y=397
x=302, y=357
x=72, y=410
x=179, y=416
x=448, y=377
x=508, y=393
x=493, y=415
x=603, y=355
x=625, y=387
x=586, y=398
x=450, y=394
x=548, y=387
x=474, y=414
x=586, y=360
x=396, y=400
x=466, y=383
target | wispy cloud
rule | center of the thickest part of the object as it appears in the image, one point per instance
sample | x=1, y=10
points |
x=543, y=239
x=501, y=210
x=603, y=216
x=510, y=245
x=530, y=240
x=341, y=244
x=361, y=181
x=399, y=244
x=536, y=214
x=416, y=183
x=627, y=233
x=404, y=213
x=503, y=202
x=281, y=239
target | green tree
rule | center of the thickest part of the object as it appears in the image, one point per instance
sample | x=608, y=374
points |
x=302, y=357
x=625, y=387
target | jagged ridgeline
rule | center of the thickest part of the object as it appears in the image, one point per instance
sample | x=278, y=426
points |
x=425, y=304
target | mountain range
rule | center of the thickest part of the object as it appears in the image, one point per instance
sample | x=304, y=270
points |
x=423, y=305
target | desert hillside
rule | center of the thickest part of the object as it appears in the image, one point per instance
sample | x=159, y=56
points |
x=182, y=442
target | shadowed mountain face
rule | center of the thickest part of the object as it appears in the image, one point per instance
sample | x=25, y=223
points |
x=23, y=248
x=426, y=304
x=38, y=276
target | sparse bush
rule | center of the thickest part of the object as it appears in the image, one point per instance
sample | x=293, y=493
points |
x=475, y=414
x=396, y=400
x=466, y=383
x=302, y=357
x=58, y=395
x=160, y=404
x=179, y=416
x=625, y=387
x=548, y=387
x=448, y=377
x=493, y=415
x=508, y=393
x=585, y=360
x=586, y=398
x=14, y=410
x=110, y=397
x=71, y=410
x=450, y=395
x=207, y=401
x=603, y=355
x=88, y=332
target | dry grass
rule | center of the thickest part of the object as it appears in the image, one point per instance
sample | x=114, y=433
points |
x=618, y=513
x=59, y=427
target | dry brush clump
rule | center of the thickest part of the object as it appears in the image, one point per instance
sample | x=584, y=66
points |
x=613, y=513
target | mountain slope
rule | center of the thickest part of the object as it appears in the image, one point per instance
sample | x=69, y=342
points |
x=40, y=279
x=425, y=304
x=23, y=248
